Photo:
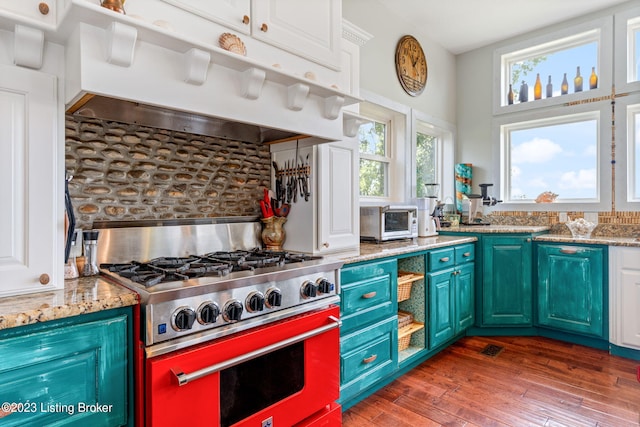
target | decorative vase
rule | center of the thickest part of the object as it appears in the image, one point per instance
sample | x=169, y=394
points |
x=273, y=234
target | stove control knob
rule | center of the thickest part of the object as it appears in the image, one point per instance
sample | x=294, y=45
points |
x=325, y=286
x=208, y=313
x=254, y=302
x=308, y=289
x=274, y=298
x=183, y=319
x=232, y=311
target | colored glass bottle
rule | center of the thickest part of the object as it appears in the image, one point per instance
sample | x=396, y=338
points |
x=537, y=88
x=549, y=88
x=510, y=95
x=577, y=81
x=564, y=88
x=523, y=96
x=593, y=79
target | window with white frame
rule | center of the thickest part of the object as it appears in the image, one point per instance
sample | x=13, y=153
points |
x=567, y=65
x=431, y=156
x=375, y=158
x=633, y=150
x=555, y=141
x=557, y=154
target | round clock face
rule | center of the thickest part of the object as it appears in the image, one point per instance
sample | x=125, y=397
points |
x=411, y=65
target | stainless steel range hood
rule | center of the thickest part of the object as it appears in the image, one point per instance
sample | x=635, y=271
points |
x=118, y=110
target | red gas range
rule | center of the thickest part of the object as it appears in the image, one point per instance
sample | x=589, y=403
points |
x=230, y=335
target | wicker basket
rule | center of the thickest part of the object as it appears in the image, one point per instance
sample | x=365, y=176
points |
x=405, y=282
x=404, y=334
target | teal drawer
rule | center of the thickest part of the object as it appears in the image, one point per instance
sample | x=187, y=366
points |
x=441, y=258
x=365, y=294
x=367, y=356
x=465, y=253
x=357, y=273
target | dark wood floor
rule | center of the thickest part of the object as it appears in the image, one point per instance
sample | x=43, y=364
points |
x=533, y=381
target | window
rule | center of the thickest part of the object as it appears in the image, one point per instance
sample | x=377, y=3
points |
x=374, y=159
x=426, y=162
x=557, y=155
x=431, y=156
x=555, y=145
x=568, y=65
x=628, y=147
x=627, y=49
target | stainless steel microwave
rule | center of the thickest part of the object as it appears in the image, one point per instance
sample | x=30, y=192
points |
x=389, y=222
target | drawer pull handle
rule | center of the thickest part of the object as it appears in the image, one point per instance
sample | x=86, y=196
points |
x=466, y=254
x=245, y=20
x=568, y=251
x=370, y=359
x=264, y=28
x=444, y=259
x=369, y=295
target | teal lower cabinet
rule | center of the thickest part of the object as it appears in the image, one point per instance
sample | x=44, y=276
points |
x=451, y=295
x=572, y=289
x=367, y=356
x=73, y=371
x=506, y=277
x=440, y=303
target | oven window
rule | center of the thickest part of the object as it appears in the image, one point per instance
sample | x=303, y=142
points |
x=396, y=221
x=258, y=383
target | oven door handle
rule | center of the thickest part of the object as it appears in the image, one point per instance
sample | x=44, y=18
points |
x=186, y=378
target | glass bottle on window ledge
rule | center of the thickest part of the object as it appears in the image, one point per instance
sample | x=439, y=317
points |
x=593, y=79
x=577, y=82
x=537, y=88
x=564, y=89
x=510, y=95
x=523, y=96
x=549, y=88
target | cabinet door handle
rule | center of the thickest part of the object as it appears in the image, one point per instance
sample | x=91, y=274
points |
x=370, y=359
x=245, y=20
x=43, y=8
x=44, y=279
x=569, y=251
x=369, y=295
x=444, y=259
x=528, y=239
x=264, y=28
x=466, y=254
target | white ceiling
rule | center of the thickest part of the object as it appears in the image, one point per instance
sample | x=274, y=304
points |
x=463, y=25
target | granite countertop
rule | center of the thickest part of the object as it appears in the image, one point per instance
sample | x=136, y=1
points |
x=497, y=229
x=371, y=251
x=79, y=296
x=593, y=240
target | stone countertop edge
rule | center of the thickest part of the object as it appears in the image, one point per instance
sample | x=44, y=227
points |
x=497, y=229
x=594, y=240
x=372, y=251
x=79, y=296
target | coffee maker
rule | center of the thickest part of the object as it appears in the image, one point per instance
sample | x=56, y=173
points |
x=426, y=206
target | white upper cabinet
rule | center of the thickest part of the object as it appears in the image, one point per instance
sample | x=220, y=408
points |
x=30, y=11
x=235, y=14
x=310, y=29
x=30, y=249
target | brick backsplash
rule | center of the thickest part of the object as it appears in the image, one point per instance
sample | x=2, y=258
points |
x=130, y=172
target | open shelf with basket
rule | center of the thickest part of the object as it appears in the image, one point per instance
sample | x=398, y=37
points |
x=412, y=338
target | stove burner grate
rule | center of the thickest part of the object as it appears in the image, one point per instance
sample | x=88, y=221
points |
x=214, y=264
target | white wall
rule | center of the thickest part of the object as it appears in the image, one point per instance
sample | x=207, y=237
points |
x=377, y=60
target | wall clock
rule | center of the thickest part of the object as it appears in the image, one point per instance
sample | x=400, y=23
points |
x=411, y=65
